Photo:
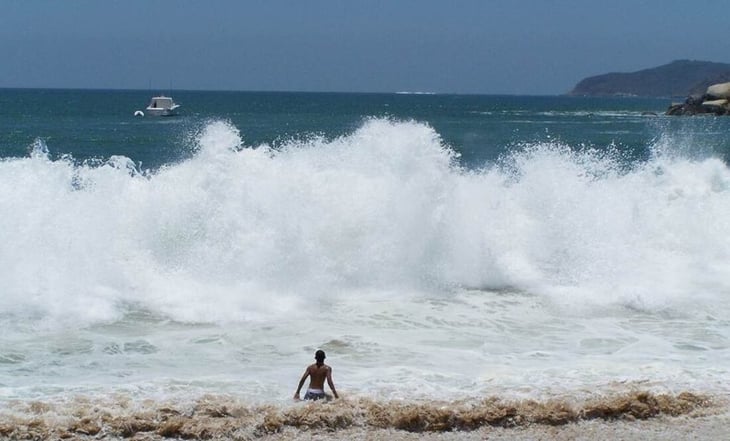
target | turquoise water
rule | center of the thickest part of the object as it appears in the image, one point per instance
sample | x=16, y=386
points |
x=98, y=124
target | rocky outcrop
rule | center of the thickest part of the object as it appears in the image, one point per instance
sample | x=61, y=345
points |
x=716, y=101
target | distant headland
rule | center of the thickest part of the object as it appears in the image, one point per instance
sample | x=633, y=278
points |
x=679, y=78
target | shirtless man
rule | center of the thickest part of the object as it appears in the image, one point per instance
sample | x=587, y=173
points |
x=317, y=372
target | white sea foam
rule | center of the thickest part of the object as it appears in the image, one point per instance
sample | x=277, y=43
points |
x=379, y=246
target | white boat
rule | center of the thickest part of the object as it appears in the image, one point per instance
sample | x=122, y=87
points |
x=162, y=106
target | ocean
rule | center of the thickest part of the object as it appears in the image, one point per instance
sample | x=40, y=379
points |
x=440, y=248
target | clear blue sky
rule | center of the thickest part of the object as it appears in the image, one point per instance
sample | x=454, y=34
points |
x=459, y=46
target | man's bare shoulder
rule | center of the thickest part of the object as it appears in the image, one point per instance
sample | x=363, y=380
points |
x=314, y=367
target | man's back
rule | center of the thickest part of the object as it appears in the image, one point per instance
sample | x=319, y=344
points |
x=317, y=375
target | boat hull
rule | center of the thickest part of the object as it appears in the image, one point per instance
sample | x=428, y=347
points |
x=161, y=111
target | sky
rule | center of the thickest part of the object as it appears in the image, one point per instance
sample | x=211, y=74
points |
x=526, y=47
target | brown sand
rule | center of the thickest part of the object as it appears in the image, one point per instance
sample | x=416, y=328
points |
x=661, y=428
x=635, y=415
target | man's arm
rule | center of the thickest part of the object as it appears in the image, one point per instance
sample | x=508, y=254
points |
x=331, y=383
x=301, y=383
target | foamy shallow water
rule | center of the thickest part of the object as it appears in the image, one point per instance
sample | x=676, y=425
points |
x=463, y=345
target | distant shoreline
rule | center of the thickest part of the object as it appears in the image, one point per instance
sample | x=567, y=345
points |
x=679, y=78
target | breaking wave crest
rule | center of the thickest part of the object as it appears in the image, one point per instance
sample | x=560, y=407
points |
x=241, y=232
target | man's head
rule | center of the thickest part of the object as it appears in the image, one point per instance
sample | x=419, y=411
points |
x=319, y=356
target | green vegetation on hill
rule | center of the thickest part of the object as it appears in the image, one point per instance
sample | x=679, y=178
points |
x=678, y=78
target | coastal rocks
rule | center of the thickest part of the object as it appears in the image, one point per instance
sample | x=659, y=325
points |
x=714, y=101
x=719, y=90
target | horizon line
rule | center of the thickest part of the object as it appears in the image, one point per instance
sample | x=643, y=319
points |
x=398, y=92
x=335, y=92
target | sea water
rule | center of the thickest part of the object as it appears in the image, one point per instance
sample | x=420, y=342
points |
x=436, y=247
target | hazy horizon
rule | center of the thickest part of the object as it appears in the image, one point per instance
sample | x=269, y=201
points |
x=467, y=47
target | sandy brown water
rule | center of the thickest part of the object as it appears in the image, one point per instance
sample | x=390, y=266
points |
x=630, y=415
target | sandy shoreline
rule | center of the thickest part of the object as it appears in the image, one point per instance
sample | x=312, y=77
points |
x=635, y=415
x=713, y=427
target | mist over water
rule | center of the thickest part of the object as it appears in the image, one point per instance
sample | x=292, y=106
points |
x=554, y=268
